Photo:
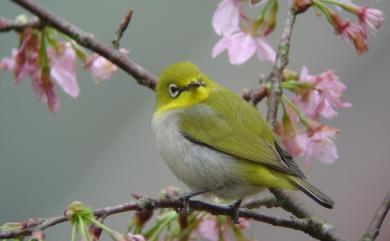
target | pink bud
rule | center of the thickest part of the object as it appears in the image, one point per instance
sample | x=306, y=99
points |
x=373, y=18
x=100, y=67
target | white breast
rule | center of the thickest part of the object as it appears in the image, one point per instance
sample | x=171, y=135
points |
x=198, y=166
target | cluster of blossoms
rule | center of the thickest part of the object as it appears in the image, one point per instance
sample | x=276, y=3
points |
x=47, y=60
x=314, y=96
x=351, y=32
x=241, y=35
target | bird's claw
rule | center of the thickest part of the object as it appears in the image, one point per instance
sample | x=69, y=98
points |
x=235, y=209
x=185, y=203
x=185, y=200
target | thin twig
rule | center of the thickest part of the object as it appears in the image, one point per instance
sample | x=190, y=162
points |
x=275, y=92
x=121, y=29
x=273, y=104
x=254, y=96
x=282, y=58
x=311, y=226
x=376, y=222
x=280, y=64
x=140, y=74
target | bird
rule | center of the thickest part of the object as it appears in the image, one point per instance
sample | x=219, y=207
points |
x=217, y=143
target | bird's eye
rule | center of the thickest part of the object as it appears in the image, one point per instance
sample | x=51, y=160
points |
x=174, y=91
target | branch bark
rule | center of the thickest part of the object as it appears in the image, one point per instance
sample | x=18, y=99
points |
x=311, y=226
x=280, y=64
x=139, y=73
x=376, y=222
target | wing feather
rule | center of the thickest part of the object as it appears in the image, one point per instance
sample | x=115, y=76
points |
x=235, y=128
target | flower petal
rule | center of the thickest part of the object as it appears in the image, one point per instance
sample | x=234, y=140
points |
x=241, y=48
x=226, y=17
x=208, y=230
x=264, y=51
x=63, y=69
x=220, y=46
x=8, y=63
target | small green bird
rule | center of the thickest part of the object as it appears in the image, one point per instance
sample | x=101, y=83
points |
x=215, y=141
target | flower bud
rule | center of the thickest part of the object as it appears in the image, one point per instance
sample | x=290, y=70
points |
x=301, y=5
x=37, y=236
x=142, y=216
x=134, y=237
x=170, y=192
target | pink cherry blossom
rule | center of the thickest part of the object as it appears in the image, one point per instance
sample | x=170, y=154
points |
x=322, y=100
x=212, y=229
x=8, y=63
x=24, y=62
x=26, y=57
x=292, y=145
x=287, y=131
x=226, y=17
x=209, y=229
x=373, y=18
x=368, y=17
x=319, y=145
x=357, y=35
x=241, y=46
x=100, y=67
x=332, y=88
x=243, y=223
x=350, y=32
x=134, y=237
x=63, y=68
x=44, y=89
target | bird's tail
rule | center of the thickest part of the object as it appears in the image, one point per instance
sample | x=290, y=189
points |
x=310, y=190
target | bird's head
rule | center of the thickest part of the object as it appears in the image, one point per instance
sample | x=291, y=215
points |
x=181, y=85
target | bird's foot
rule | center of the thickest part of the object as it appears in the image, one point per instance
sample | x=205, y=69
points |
x=235, y=208
x=185, y=199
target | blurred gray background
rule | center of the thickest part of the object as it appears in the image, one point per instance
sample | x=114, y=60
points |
x=100, y=147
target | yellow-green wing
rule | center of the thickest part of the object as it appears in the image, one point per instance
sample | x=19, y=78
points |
x=225, y=122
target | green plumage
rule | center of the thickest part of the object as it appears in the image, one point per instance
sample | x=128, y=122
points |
x=234, y=127
x=211, y=115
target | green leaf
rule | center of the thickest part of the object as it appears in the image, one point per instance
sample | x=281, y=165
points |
x=238, y=233
x=193, y=222
x=162, y=222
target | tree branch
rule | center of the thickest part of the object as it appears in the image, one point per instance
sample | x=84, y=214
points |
x=140, y=74
x=376, y=222
x=311, y=226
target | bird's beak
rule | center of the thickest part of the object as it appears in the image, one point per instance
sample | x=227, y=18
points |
x=194, y=84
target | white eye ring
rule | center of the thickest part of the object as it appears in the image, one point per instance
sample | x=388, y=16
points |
x=174, y=91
